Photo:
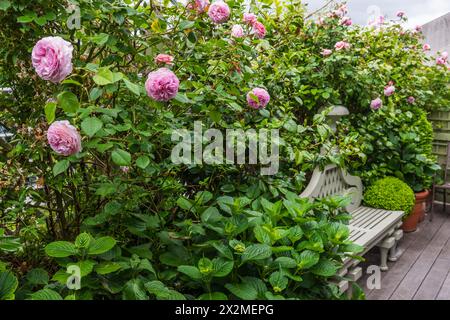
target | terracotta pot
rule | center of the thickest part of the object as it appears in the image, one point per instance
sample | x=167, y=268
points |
x=421, y=201
x=410, y=223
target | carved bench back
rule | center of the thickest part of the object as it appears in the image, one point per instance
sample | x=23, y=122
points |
x=331, y=181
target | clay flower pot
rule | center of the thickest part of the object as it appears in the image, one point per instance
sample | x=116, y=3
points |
x=410, y=223
x=421, y=200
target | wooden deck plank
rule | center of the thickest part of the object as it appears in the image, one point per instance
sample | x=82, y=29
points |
x=434, y=280
x=417, y=273
x=413, y=245
x=444, y=293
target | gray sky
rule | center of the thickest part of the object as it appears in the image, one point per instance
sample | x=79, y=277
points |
x=419, y=12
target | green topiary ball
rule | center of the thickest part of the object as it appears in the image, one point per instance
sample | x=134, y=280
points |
x=391, y=194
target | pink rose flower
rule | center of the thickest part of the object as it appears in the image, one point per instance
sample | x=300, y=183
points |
x=342, y=45
x=237, y=31
x=249, y=18
x=162, y=85
x=262, y=101
x=426, y=47
x=389, y=90
x=259, y=29
x=200, y=5
x=444, y=55
x=219, y=12
x=346, y=21
x=411, y=100
x=326, y=52
x=440, y=61
x=401, y=14
x=52, y=58
x=376, y=104
x=164, y=58
x=64, y=138
x=377, y=22
x=418, y=28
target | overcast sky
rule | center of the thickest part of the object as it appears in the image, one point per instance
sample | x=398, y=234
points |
x=419, y=12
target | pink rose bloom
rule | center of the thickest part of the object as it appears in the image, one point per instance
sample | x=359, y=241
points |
x=376, y=104
x=64, y=138
x=440, y=61
x=237, y=31
x=346, y=21
x=444, y=55
x=426, y=47
x=389, y=90
x=411, y=100
x=201, y=5
x=52, y=58
x=263, y=98
x=342, y=45
x=379, y=21
x=259, y=29
x=326, y=52
x=162, y=85
x=418, y=28
x=164, y=58
x=400, y=14
x=219, y=12
x=249, y=18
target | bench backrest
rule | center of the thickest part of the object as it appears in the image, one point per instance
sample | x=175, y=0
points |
x=331, y=181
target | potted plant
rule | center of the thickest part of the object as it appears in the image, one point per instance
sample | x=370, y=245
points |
x=391, y=193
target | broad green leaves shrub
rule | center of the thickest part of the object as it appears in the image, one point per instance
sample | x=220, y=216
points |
x=391, y=194
x=394, y=142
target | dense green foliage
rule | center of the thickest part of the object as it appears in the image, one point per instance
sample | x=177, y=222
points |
x=395, y=142
x=391, y=194
x=163, y=230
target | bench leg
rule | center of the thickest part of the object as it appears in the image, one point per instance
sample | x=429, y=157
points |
x=385, y=246
x=394, y=254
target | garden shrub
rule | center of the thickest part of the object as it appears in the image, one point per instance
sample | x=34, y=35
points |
x=390, y=193
x=394, y=142
x=88, y=174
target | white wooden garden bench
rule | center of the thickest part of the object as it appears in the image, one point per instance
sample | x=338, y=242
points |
x=369, y=227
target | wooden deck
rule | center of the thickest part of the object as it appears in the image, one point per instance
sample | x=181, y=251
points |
x=423, y=270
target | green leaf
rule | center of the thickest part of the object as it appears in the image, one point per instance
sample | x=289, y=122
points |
x=61, y=249
x=83, y=240
x=132, y=87
x=161, y=292
x=307, y=259
x=103, y=77
x=90, y=126
x=101, y=245
x=190, y=271
x=213, y=296
x=278, y=281
x=244, y=291
x=50, y=111
x=8, y=285
x=5, y=4
x=107, y=267
x=222, y=267
x=134, y=290
x=211, y=215
x=37, y=276
x=121, y=157
x=285, y=262
x=186, y=24
x=86, y=267
x=143, y=162
x=100, y=39
x=9, y=244
x=46, y=294
x=325, y=268
x=68, y=102
x=25, y=19
x=61, y=167
x=256, y=252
